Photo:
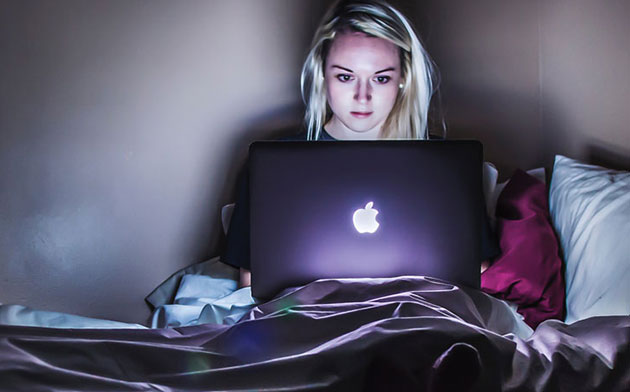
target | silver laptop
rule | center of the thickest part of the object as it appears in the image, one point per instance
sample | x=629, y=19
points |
x=364, y=209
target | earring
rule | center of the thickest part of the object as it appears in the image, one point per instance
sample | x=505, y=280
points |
x=400, y=85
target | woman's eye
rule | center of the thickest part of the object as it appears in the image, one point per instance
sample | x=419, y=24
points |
x=383, y=79
x=344, y=77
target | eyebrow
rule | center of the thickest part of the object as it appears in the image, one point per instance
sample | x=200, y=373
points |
x=351, y=71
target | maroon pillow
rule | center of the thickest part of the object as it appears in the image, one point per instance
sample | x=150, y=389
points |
x=528, y=272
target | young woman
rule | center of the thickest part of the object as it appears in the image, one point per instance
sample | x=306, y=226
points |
x=367, y=76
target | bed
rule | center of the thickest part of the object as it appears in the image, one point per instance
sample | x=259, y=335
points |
x=552, y=315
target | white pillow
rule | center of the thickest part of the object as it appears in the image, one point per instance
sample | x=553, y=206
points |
x=590, y=211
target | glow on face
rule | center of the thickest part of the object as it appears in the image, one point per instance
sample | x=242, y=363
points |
x=362, y=75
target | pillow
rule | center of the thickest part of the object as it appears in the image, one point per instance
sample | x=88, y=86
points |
x=529, y=270
x=590, y=210
x=165, y=292
x=496, y=189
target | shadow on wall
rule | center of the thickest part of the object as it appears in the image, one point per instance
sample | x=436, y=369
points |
x=269, y=125
x=506, y=122
x=608, y=156
x=560, y=137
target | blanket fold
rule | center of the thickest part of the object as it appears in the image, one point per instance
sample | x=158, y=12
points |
x=400, y=333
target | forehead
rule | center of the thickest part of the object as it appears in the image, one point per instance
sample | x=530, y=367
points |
x=361, y=52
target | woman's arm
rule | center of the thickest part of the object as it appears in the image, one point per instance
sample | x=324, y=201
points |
x=236, y=252
x=245, y=278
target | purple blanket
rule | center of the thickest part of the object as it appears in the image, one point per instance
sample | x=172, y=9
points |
x=400, y=334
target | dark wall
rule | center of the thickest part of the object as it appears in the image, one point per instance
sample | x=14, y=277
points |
x=532, y=79
x=585, y=80
x=122, y=123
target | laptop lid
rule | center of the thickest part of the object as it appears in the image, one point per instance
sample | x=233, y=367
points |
x=364, y=209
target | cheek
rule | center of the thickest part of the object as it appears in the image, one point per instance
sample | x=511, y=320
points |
x=387, y=98
x=336, y=95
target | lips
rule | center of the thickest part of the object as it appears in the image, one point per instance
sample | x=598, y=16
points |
x=361, y=114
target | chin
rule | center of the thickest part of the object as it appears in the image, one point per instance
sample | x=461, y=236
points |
x=361, y=130
x=361, y=126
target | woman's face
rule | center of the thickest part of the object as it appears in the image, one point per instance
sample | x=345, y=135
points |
x=362, y=76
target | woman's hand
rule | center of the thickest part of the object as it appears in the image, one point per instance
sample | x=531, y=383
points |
x=245, y=278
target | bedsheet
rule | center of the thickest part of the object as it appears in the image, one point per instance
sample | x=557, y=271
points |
x=202, y=299
x=12, y=314
x=406, y=333
x=189, y=297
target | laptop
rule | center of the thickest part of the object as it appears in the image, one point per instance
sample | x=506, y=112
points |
x=364, y=209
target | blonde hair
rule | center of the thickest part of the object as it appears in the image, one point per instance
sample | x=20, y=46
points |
x=408, y=117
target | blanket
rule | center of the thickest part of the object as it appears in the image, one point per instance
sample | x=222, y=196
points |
x=405, y=333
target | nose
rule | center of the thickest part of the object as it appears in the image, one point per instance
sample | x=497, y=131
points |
x=363, y=92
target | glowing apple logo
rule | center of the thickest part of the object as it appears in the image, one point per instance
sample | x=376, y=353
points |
x=364, y=219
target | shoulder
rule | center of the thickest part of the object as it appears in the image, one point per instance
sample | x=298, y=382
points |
x=433, y=136
x=301, y=135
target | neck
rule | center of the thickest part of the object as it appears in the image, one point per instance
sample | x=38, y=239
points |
x=339, y=131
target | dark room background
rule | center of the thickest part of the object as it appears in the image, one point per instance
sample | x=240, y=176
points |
x=123, y=123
